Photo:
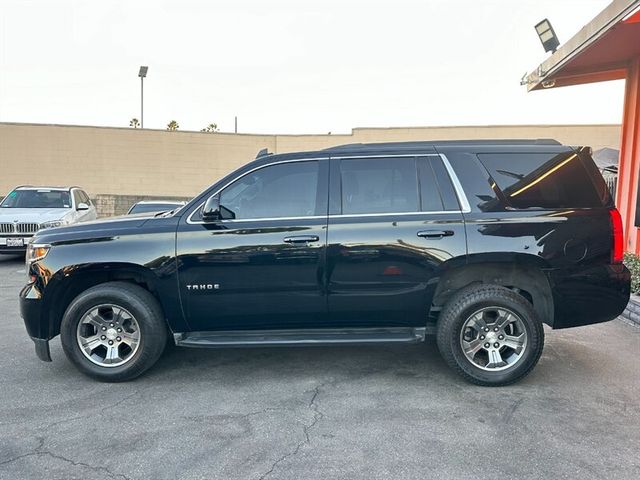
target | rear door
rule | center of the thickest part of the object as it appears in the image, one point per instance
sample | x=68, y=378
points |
x=394, y=221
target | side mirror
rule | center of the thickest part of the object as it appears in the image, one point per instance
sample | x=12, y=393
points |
x=82, y=206
x=213, y=211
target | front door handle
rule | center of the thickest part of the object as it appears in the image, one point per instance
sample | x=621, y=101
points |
x=301, y=239
x=435, y=233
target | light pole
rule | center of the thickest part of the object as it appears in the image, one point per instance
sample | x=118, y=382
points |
x=142, y=73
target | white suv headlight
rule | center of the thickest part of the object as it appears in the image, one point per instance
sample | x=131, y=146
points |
x=53, y=224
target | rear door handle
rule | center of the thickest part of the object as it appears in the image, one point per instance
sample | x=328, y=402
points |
x=301, y=239
x=435, y=233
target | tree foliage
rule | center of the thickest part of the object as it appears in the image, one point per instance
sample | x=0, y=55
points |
x=173, y=125
x=211, y=128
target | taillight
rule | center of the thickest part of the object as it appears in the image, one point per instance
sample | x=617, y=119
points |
x=617, y=251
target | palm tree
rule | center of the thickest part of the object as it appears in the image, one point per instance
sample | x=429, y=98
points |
x=173, y=125
x=211, y=128
x=134, y=123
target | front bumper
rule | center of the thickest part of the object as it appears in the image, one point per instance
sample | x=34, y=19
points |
x=4, y=249
x=37, y=326
x=42, y=349
x=12, y=250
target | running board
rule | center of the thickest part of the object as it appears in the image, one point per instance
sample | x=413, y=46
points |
x=276, y=338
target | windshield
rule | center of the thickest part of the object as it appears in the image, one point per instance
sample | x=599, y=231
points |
x=37, y=199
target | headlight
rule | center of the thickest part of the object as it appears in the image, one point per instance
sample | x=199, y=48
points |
x=36, y=252
x=53, y=224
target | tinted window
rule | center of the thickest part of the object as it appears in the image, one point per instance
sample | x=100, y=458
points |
x=436, y=190
x=283, y=190
x=478, y=186
x=37, y=199
x=543, y=180
x=429, y=194
x=381, y=185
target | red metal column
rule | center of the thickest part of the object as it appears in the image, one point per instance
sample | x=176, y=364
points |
x=629, y=167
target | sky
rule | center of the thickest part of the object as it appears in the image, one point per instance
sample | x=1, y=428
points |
x=297, y=66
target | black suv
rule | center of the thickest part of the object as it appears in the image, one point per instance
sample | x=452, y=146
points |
x=478, y=242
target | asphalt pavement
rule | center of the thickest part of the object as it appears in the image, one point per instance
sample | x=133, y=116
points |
x=373, y=412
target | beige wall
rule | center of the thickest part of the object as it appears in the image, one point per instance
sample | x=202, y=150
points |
x=125, y=161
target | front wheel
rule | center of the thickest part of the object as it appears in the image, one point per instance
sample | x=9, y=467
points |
x=113, y=331
x=490, y=335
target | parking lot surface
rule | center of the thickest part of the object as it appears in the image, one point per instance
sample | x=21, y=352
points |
x=316, y=413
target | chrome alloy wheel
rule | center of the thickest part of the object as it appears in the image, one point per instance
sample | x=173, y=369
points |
x=493, y=338
x=108, y=335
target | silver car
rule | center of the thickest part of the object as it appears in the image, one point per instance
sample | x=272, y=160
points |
x=27, y=209
x=155, y=206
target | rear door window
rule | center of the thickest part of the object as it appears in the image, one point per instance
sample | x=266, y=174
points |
x=436, y=190
x=379, y=185
x=544, y=180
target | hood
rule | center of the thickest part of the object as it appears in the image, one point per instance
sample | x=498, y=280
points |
x=108, y=227
x=32, y=215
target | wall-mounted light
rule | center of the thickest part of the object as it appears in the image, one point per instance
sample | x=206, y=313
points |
x=547, y=36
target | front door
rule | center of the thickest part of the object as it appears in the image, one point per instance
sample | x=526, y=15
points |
x=263, y=269
x=393, y=223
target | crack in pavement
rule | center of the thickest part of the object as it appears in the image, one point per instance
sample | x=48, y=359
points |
x=317, y=416
x=39, y=451
x=512, y=409
x=229, y=417
x=91, y=414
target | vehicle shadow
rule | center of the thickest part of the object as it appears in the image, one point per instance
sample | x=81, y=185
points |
x=290, y=364
x=11, y=259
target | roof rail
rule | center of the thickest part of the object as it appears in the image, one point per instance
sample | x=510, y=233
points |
x=431, y=143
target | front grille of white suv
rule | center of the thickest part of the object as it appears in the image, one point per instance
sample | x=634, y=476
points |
x=19, y=227
x=28, y=227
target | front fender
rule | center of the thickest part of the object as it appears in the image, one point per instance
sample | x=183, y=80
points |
x=74, y=266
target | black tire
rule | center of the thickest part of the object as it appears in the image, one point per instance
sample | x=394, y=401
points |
x=142, y=306
x=461, y=307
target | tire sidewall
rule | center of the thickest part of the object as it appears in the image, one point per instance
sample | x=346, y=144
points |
x=152, y=338
x=533, y=328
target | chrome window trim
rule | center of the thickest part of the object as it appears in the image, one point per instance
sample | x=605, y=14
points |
x=392, y=214
x=462, y=198
x=270, y=219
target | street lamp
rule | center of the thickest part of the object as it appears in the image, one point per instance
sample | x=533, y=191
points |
x=142, y=73
x=547, y=36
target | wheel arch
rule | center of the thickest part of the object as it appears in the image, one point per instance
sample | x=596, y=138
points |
x=521, y=273
x=67, y=284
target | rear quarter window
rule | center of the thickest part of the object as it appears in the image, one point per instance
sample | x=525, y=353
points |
x=547, y=180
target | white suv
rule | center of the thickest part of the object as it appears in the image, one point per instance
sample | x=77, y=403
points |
x=27, y=209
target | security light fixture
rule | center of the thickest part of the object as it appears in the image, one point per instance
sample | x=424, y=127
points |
x=547, y=36
x=143, y=72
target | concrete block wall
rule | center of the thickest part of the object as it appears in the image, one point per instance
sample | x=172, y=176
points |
x=110, y=205
x=158, y=163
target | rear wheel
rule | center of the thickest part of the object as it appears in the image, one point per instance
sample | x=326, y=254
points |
x=490, y=335
x=113, y=331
